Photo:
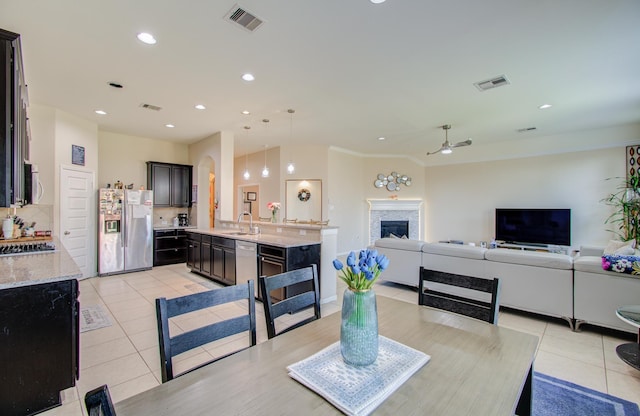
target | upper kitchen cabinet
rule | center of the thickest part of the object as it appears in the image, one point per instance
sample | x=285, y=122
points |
x=171, y=184
x=14, y=137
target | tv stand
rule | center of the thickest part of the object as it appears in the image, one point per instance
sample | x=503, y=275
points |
x=534, y=247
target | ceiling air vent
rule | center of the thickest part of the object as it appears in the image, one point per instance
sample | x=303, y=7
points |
x=243, y=18
x=498, y=81
x=526, y=129
x=150, y=107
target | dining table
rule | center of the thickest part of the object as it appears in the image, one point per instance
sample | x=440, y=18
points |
x=475, y=368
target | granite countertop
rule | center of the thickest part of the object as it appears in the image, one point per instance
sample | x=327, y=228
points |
x=271, y=239
x=160, y=227
x=29, y=269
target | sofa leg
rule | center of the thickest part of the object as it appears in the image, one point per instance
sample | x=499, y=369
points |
x=569, y=321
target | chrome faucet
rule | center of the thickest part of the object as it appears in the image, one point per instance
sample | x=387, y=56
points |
x=251, y=230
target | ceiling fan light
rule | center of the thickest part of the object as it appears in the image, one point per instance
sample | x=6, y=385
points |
x=446, y=151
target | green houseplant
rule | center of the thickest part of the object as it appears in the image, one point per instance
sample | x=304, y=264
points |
x=626, y=204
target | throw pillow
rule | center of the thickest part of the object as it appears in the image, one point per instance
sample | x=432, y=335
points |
x=614, y=245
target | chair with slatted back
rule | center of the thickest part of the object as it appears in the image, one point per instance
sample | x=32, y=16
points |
x=265, y=219
x=302, y=290
x=290, y=220
x=464, y=303
x=98, y=402
x=169, y=308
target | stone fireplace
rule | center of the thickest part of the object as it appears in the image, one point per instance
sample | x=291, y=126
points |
x=394, y=210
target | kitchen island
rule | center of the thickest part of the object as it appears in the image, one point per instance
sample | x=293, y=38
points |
x=39, y=343
x=278, y=247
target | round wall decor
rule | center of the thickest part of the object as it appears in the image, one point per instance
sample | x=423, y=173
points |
x=304, y=195
x=392, y=182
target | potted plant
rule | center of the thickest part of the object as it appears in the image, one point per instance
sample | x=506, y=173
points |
x=626, y=204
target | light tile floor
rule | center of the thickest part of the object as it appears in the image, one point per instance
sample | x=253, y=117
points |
x=125, y=355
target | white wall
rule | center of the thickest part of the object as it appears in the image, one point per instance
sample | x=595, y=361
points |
x=461, y=199
x=124, y=157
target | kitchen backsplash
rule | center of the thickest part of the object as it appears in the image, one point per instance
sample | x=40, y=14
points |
x=168, y=214
x=41, y=214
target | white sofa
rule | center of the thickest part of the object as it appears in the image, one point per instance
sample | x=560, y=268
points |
x=530, y=281
x=598, y=293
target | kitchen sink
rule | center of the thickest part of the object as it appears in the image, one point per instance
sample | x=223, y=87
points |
x=238, y=233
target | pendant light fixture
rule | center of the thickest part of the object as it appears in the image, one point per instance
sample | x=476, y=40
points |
x=291, y=167
x=265, y=171
x=246, y=173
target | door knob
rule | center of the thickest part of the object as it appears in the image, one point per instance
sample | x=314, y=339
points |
x=67, y=233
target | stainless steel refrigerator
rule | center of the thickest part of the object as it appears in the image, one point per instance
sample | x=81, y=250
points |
x=125, y=235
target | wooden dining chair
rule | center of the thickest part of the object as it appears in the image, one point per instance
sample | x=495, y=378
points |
x=290, y=220
x=169, y=308
x=303, y=292
x=98, y=402
x=264, y=219
x=464, y=305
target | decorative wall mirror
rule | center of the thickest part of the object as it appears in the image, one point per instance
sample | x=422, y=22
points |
x=304, y=199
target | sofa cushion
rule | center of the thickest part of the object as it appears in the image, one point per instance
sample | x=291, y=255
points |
x=530, y=258
x=400, y=244
x=454, y=250
x=591, y=264
x=591, y=251
x=623, y=248
x=621, y=264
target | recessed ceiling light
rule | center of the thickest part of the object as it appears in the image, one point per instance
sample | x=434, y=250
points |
x=101, y=112
x=169, y=126
x=248, y=77
x=377, y=1
x=200, y=107
x=545, y=106
x=147, y=38
x=246, y=112
x=382, y=138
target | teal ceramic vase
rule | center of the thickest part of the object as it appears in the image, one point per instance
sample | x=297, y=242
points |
x=359, y=328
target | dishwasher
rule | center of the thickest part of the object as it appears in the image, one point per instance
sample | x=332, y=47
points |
x=247, y=263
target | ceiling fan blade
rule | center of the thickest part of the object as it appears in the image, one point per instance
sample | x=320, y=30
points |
x=436, y=152
x=460, y=144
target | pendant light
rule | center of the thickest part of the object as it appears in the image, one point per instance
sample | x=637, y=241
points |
x=291, y=167
x=246, y=173
x=265, y=171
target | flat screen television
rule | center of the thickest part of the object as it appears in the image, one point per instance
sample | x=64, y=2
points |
x=536, y=226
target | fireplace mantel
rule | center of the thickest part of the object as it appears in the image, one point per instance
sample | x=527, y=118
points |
x=394, y=204
x=395, y=209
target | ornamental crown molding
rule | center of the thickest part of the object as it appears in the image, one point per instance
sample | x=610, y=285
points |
x=394, y=204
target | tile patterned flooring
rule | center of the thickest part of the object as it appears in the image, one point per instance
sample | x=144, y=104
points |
x=125, y=355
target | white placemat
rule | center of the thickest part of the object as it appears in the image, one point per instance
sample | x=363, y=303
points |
x=358, y=390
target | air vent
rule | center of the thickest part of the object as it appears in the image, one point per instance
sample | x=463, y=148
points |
x=150, y=107
x=492, y=83
x=526, y=129
x=243, y=18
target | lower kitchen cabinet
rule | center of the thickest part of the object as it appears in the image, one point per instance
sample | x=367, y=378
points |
x=194, y=258
x=39, y=345
x=213, y=257
x=169, y=247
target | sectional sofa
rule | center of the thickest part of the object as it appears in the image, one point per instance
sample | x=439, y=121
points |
x=532, y=281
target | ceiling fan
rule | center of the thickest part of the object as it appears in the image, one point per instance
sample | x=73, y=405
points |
x=446, y=147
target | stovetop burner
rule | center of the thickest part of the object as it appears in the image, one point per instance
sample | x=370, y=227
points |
x=27, y=248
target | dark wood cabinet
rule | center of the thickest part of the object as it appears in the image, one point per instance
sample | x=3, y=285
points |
x=169, y=247
x=39, y=345
x=216, y=259
x=14, y=139
x=170, y=183
x=193, y=251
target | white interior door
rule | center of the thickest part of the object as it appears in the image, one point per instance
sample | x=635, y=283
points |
x=77, y=223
